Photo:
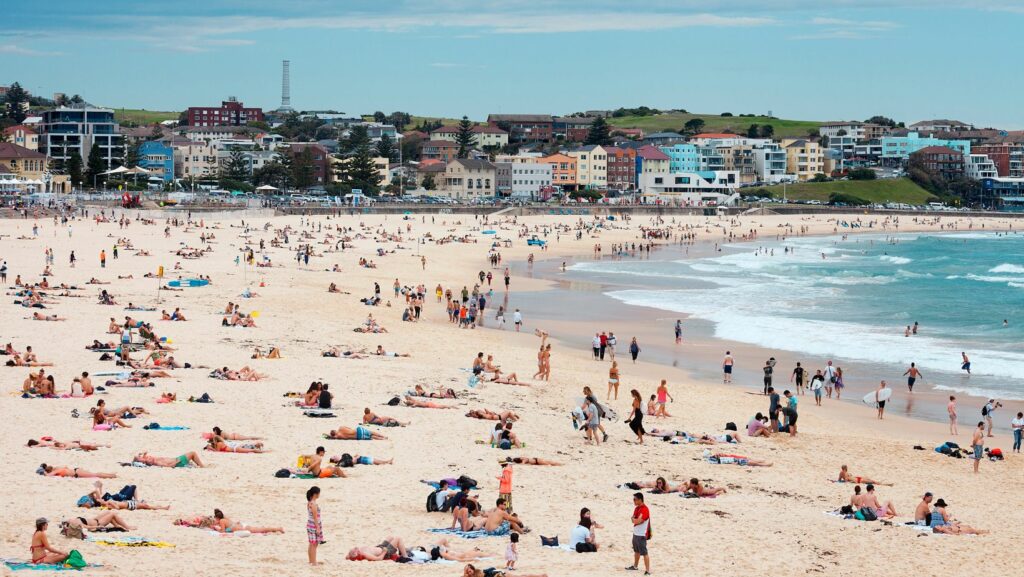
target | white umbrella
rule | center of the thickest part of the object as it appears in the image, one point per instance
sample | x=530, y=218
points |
x=266, y=187
x=118, y=170
x=138, y=170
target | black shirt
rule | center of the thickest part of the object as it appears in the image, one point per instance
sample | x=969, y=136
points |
x=325, y=400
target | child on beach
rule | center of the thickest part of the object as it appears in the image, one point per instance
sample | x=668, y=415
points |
x=512, y=552
x=663, y=397
x=314, y=525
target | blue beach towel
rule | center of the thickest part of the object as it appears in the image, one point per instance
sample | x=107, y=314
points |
x=501, y=531
x=15, y=565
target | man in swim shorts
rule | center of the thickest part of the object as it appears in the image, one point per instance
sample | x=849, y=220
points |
x=727, y=368
x=912, y=375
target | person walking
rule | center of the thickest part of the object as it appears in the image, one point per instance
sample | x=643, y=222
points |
x=727, y=363
x=1018, y=431
x=679, y=331
x=951, y=409
x=314, y=524
x=641, y=533
x=103, y=258
x=978, y=444
x=613, y=381
x=912, y=375
x=595, y=345
x=636, y=416
x=505, y=485
x=879, y=401
x=634, y=350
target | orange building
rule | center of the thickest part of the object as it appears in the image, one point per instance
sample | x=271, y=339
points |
x=563, y=170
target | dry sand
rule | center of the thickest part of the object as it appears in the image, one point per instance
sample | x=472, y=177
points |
x=771, y=521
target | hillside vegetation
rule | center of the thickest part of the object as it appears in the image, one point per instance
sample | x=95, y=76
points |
x=900, y=190
x=674, y=121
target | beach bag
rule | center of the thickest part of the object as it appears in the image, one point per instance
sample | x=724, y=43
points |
x=984, y=411
x=72, y=531
x=867, y=514
x=283, y=474
x=432, y=502
x=730, y=426
x=75, y=560
x=394, y=401
x=464, y=481
x=549, y=541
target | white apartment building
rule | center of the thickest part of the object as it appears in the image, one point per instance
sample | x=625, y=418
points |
x=979, y=166
x=591, y=166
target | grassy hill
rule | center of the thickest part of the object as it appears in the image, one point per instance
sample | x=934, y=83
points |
x=674, y=121
x=901, y=190
x=128, y=115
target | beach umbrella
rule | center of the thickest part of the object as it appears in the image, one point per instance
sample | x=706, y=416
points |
x=118, y=170
x=266, y=188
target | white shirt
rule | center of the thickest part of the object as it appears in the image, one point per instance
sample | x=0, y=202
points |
x=1017, y=423
x=597, y=342
x=829, y=373
x=579, y=534
x=517, y=317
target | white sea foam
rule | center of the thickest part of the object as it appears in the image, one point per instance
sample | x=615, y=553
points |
x=1008, y=268
x=981, y=392
x=895, y=259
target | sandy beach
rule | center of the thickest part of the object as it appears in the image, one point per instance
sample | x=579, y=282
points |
x=771, y=520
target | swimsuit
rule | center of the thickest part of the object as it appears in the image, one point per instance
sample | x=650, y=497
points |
x=365, y=461
x=363, y=434
x=182, y=461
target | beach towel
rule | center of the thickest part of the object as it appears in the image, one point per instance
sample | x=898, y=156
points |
x=501, y=531
x=319, y=414
x=129, y=542
x=159, y=427
x=16, y=565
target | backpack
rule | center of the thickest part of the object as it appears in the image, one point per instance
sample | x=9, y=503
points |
x=75, y=560
x=395, y=401
x=283, y=474
x=867, y=514
x=984, y=411
x=432, y=501
x=464, y=481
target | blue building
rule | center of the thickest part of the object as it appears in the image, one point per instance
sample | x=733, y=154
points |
x=158, y=159
x=899, y=148
x=682, y=157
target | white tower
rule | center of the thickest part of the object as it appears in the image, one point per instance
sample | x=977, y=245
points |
x=286, y=88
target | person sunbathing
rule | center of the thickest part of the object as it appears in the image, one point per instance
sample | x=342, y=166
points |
x=243, y=374
x=17, y=361
x=390, y=549
x=103, y=422
x=380, y=352
x=333, y=288
x=274, y=353
x=411, y=402
x=186, y=460
x=230, y=436
x=347, y=460
x=534, y=461
x=510, y=379
x=695, y=487
x=727, y=438
x=659, y=485
x=471, y=571
x=96, y=499
x=42, y=552
x=443, y=394
x=727, y=459
x=846, y=477
x=870, y=499
x=223, y=524
x=41, y=317
x=489, y=415
x=942, y=523
x=441, y=549
x=336, y=352
x=360, y=433
x=668, y=433
x=78, y=473
x=100, y=521
x=217, y=443
x=370, y=418
x=62, y=446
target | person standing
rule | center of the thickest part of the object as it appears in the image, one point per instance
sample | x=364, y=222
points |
x=830, y=378
x=978, y=444
x=912, y=375
x=641, y=533
x=965, y=364
x=103, y=258
x=612, y=341
x=679, y=331
x=727, y=368
x=314, y=524
x=663, y=398
x=505, y=485
x=603, y=343
x=115, y=252
x=879, y=401
x=768, y=370
x=3, y=274
x=508, y=277
x=595, y=345
x=986, y=411
x=791, y=412
x=72, y=259
x=798, y=378
x=1018, y=431
x=512, y=552
x=613, y=381
x=636, y=416
x=951, y=409
x=517, y=319
x=634, y=350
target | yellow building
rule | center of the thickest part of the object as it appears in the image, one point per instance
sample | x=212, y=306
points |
x=591, y=167
x=804, y=158
x=33, y=167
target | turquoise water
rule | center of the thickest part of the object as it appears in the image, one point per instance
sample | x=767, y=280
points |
x=855, y=302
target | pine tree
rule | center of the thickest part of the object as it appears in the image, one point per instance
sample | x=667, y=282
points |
x=16, y=102
x=754, y=131
x=465, y=137
x=236, y=167
x=95, y=165
x=74, y=168
x=359, y=171
x=131, y=157
x=428, y=182
x=386, y=148
x=600, y=133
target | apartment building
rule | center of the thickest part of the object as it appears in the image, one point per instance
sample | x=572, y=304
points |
x=591, y=167
x=231, y=112
x=563, y=170
x=79, y=128
x=621, y=168
x=468, y=179
x=804, y=158
x=524, y=127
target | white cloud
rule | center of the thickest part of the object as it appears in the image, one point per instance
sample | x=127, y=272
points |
x=22, y=51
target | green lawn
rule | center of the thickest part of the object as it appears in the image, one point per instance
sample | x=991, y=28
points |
x=674, y=121
x=901, y=190
x=140, y=117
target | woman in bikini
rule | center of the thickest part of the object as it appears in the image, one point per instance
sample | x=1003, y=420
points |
x=694, y=486
x=217, y=443
x=471, y=571
x=224, y=525
x=68, y=446
x=370, y=418
x=42, y=552
x=510, y=379
x=231, y=436
x=489, y=415
x=846, y=477
x=534, y=461
x=424, y=404
x=51, y=471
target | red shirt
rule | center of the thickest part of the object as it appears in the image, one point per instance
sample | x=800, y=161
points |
x=604, y=340
x=643, y=528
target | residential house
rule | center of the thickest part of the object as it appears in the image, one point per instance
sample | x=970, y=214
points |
x=524, y=127
x=629, y=133
x=940, y=125
x=503, y=179
x=804, y=158
x=322, y=167
x=433, y=168
x=484, y=135
x=443, y=150
x=563, y=170
x=158, y=158
x=897, y=149
x=591, y=167
x=25, y=165
x=650, y=159
x=771, y=160
x=231, y=112
x=664, y=138
x=621, y=168
x=572, y=128
x=22, y=135
x=1008, y=157
x=195, y=160
x=980, y=166
x=215, y=133
x=468, y=179
x=944, y=160
x=79, y=128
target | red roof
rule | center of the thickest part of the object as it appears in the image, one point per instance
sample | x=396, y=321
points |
x=488, y=129
x=938, y=150
x=12, y=129
x=9, y=150
x=716, y=135
x=428, y=161
x=651, y=153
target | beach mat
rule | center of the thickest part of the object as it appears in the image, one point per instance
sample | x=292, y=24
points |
x=129, y=542
x=16, y=565
x=503, y=530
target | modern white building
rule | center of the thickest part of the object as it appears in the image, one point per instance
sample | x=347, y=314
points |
x=68, y=129
x=770, y=160
x=530, y=179
x=689, y=188
x=979, y=166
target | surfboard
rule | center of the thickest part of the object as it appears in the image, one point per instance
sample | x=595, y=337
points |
x=189, y=282
x=884, y=395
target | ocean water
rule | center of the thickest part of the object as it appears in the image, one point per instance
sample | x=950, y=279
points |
x=855, y=303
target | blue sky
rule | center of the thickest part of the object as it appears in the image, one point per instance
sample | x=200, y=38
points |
x=805, y=59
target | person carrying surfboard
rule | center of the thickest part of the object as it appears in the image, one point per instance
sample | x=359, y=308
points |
x=881, y=396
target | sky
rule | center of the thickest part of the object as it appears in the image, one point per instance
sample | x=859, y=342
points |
x=802, y=59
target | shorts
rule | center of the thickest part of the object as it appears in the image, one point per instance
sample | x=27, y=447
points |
x=363, y=434
x=817, y=393
x=364, y=460
x=507, y=498
x=881, y=404
x=911, y=381
x=978, y=450
x=182, y=461
x=727, y=369
x=792, y=418
x=773, y=415
x=586, y=548
x=639, y=545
